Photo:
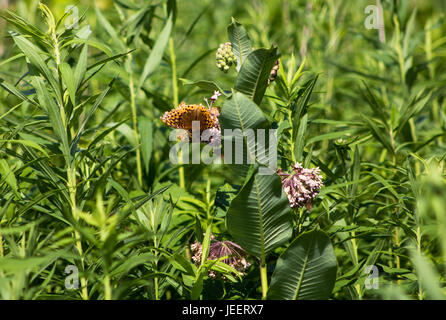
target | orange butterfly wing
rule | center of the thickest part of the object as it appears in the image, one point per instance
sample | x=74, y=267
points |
x=183, y=115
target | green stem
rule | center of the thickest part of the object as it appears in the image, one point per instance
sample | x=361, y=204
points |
x=264, y=279
x=134, y=119
x=175, y=101
x=107, y=288
x=156, y=289
x=290, y=120
x=181, y=169
x=155, y=244
x=418, y=234
x=78, y=242
x=174, y=71
x=208, y=199
x=71, y=175
x=356, y=261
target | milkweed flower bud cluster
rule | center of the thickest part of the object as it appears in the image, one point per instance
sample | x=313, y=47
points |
x=217, y=249
x=273, y=74
x=225, y=57
x=302, y=186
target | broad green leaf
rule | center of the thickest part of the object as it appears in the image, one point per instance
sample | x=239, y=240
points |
x=259, y=217
x=240, y=42
x=239, y=112
x=306, y=270
x=252, y=79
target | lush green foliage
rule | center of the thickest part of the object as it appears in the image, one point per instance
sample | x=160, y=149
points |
x=86, y=179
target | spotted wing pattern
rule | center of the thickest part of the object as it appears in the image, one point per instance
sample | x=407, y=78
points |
x=183, y=115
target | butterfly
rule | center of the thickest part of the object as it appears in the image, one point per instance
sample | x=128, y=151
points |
x=184, y=114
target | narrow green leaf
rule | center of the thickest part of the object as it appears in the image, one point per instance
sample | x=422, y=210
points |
x=301, y=103
x=145, y=126
x=33, y=54
x=8, y=176
x=28, y=143
x=205, y=85
x=68, y=79
x=156, y=55
x=81, y=66
x=299, y=143
x=53, y=110
x=378, y=134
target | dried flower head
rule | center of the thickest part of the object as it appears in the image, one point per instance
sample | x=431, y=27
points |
x=225, y=57
x=217, y=249
x=302, y=186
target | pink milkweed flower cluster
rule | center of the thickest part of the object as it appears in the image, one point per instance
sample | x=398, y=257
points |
x=215, y=96
x=302, y=186
x=217, y=249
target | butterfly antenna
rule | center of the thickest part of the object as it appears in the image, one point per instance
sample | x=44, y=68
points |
x=207, y=102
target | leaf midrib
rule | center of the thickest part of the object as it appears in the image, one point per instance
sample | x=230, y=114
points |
x=259, y=204
x=258, y=78
x=239, y=48
x=299, y=284
x=242, y=127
